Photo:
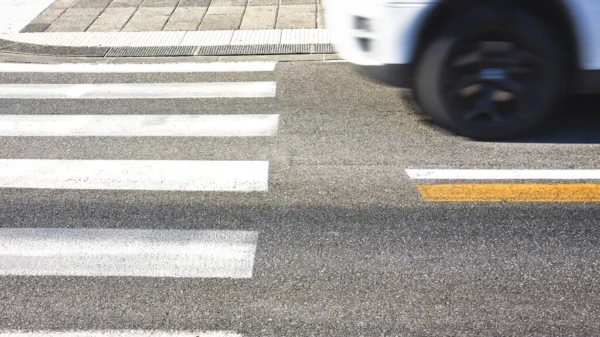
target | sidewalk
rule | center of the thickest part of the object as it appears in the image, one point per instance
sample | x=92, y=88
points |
x=176, y=15
x=163, y=27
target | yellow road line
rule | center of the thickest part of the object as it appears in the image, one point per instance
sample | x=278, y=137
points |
x=511, y=192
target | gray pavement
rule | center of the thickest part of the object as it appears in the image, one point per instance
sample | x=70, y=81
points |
x=347, y=246
x=177, y=15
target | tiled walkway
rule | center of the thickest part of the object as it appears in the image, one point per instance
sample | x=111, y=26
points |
x=176, y=15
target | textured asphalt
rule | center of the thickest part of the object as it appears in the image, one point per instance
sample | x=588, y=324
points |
x=346, y=247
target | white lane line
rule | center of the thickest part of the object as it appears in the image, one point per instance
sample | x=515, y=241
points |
x=127, y=252
x=169, y=175
x=139, y=90
x=504, y=174
x=138, y=125
x=188, y=67
x=118, y=333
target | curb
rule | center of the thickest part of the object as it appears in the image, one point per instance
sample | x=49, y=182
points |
x=162, y=44
x=222, y=50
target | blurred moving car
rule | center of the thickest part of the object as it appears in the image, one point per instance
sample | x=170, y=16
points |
x=482, y=69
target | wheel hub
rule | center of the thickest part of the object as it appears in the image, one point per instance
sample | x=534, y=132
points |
x=492, y=74
x=492, y=82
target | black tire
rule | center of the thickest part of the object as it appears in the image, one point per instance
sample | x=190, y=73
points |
x=533, y=81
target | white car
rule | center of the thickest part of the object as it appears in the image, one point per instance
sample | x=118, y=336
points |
x=482, y=69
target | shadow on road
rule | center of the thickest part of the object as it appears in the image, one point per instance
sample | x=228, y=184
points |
x=577, y=123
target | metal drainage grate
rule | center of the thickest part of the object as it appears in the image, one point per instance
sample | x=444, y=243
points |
x=267, y=49
x=151, y=51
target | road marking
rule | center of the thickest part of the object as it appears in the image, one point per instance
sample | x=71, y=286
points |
x=504, y=174
x=138, y=125
x=185, y=67
x=138, y=90
x=118, y=333
x=170, y=175
x=511, y=192
x=127, y=252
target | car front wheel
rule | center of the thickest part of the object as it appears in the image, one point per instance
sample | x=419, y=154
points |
x=492, y=71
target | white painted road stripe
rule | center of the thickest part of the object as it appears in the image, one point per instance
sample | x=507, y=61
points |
x=118, y=333
x=127, y=252
x=139, y=125
x=139, y=90
x=504, y=174
x=187, y=67
x=170, y=175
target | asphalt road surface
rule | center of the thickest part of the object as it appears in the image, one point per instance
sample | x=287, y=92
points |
x=318, y=227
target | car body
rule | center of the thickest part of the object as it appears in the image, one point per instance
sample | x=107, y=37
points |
x=387, y=38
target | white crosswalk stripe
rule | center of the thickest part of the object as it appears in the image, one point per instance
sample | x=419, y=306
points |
x=133, y=252
x=138, y=90
x=158, y=175
x=138, y=125
x=118, y=333
x=183, y=67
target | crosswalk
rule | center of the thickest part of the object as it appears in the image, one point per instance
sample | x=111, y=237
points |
x=133, y=252
x=160, y=175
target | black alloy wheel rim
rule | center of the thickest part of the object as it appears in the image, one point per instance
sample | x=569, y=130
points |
x=494, y=80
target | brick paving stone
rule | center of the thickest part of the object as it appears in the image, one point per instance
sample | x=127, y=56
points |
x=48, y=16
x=105, y=28
x=71, y=23
x=55, y=28
x=91, y=3
x=295, y=20
x=263, y=3
x=160, y=3
x=152, y=11
x=183, y=14
x=74, y=19
x=182, y=25
x=221, y=22
x=125, y=3
x=117, y=13
x=112, y=19
x=61, y=4
x=259, y=17
x=228, y=3
x=225, y=10
x=194, y=3
x=298, y=2
x=321, y=23
x=88, y=11
x=292, y=9
x=141, y=23
x=35, y=28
